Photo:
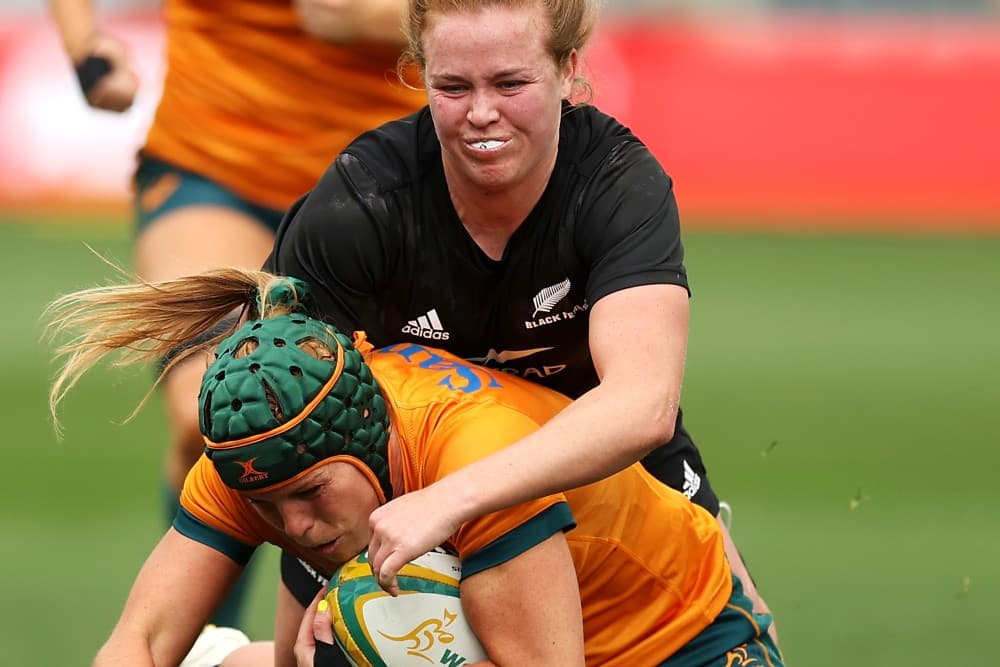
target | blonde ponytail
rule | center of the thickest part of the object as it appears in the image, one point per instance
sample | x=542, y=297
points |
x=147, y=321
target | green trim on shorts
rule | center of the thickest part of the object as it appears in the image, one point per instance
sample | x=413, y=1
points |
x=554, y=519
x=736, y=637
x=190, y=189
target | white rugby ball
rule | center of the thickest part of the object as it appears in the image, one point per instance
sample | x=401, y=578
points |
x=423, y=625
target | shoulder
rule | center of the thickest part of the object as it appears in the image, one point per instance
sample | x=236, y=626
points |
x=591, y=138
x=586, y=120
x=609, y=160
x=363, y=182
x=391, y=156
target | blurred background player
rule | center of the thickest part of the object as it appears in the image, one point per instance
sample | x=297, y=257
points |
x=258, y=97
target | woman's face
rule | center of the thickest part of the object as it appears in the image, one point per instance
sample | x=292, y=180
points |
x=495, y=96
x=325, y=512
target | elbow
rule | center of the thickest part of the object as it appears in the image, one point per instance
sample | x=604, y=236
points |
x=662, y=431
x=659, y=421
x=648, y=414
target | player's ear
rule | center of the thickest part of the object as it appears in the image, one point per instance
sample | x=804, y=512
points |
x=568, y=71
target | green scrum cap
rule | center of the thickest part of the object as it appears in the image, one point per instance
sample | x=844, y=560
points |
x=287, y=392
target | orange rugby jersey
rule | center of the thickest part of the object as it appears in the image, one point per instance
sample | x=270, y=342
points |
x=650, y=563
x=255, y=104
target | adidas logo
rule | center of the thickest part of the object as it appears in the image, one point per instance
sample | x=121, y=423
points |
x=692, y=481
x=427, y=326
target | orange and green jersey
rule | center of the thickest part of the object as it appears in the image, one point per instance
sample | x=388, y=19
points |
x=253, y=103
x=650, y=563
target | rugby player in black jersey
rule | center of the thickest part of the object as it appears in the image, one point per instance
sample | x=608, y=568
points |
x=511, y=227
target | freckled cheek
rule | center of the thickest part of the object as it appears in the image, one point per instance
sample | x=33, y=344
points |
x=448, y=114
x=532, y=115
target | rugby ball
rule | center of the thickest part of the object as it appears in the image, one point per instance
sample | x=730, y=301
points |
x=423, y=625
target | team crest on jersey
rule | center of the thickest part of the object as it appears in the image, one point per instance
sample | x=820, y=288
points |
x=546, y=302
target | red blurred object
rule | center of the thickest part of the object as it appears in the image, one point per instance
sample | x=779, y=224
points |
x=867, y=122
x=875, y=121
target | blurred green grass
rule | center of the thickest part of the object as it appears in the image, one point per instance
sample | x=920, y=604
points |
x=843, y=391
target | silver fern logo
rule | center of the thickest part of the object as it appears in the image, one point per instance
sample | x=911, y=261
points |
x=547, y=299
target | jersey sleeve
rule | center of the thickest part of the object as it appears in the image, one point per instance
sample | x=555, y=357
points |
x=331, y=238
x=628, y=229
x=215, y=515
x=497, y=537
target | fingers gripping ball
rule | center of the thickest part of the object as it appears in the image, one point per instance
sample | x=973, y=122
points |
x=285, y=393
x=424, y=625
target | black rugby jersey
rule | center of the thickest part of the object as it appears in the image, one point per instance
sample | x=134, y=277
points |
x=384, y=251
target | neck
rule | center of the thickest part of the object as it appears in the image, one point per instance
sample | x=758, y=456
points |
x=491, y=226
x=492, y=216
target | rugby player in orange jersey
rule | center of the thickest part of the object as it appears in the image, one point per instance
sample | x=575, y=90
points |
x=307, y=432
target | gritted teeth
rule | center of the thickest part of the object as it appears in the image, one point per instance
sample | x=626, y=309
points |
x=488, y=144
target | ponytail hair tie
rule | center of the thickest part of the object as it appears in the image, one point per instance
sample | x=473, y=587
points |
x=285, y=294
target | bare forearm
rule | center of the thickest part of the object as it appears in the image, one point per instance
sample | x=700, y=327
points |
x=115, y=658
x=179, y=585
x=638, y=338
x=123, y=649
x=600, y=433
x=76, y=22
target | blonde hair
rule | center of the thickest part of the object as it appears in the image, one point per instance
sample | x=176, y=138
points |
x=147, y=321
x=571, y=24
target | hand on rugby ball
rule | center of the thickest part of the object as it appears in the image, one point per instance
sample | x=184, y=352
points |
x=423, y=625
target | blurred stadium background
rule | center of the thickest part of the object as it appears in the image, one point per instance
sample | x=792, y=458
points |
x=837, y=164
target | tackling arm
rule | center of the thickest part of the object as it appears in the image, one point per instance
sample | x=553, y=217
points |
x=77, y=24
x=638, y=339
